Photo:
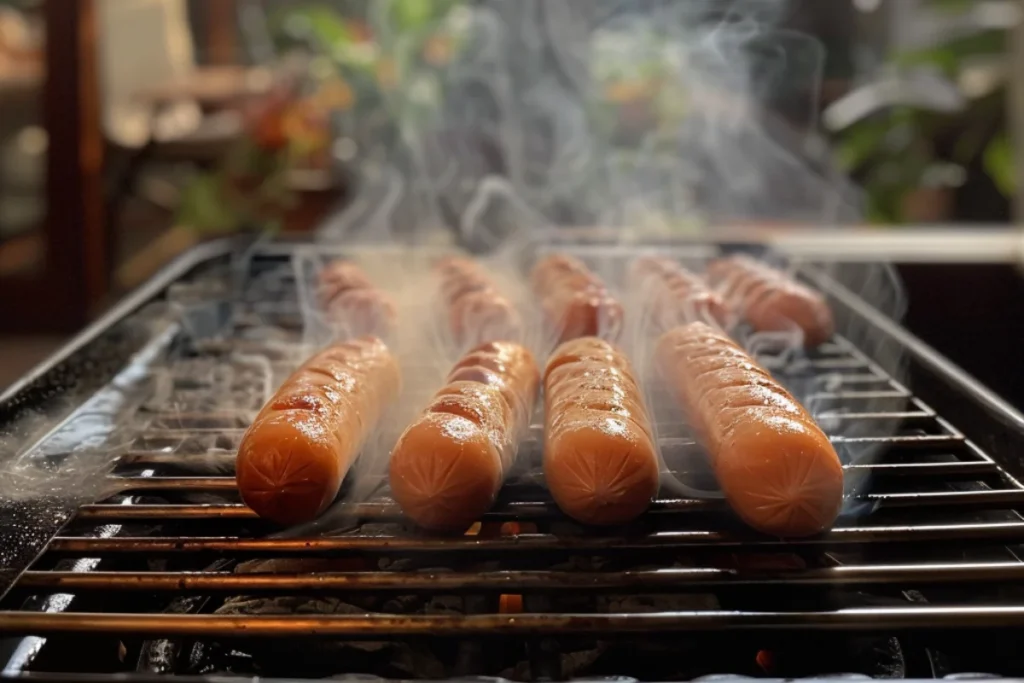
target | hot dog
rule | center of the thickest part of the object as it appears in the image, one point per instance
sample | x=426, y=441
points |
x=477, y=311
x=363, y=312
x=575, y=301
x=338, y=277
x=778, y=470
x=292, y=459
x=599, y=457
x=449, y=464
x=676, y=295
x=350, y=300
x=770, y=300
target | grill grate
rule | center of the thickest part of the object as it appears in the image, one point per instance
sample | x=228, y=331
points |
x=936, y=517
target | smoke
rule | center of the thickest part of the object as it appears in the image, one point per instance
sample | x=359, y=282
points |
x=645, y=116
x=636, y=121
x=631, y=123
x=62, y=456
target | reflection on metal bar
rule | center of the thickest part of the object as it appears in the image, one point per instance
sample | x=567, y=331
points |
x=384, y=510
x=993, y=499
x=935, y=469
x=669, y=580
x=906, y=419
x=122, y=484
x=377, y=626
x=905, y=441
x=1005, y=531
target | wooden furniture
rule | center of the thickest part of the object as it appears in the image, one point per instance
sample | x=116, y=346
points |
x=57, y=277
x=66, y=276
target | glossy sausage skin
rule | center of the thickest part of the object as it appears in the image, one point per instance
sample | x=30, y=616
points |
x=600, y=462
x=477, y=311
x=675, y=294
x=575, y=301
x=293, y=457
x=770, y=300
x=449, y=465
x=350, y=301
x=778, y=470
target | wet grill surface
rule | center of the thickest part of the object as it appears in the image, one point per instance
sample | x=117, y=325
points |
x=168, y=563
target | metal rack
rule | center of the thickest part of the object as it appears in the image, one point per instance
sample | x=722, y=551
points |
x=941, y=517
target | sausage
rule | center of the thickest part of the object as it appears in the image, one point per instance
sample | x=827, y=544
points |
x=676, y=294
x=484, y=316
x=561, y=266
x=778, y=470
x=477, y=311
x=770, y=300
x=364, y=312
x=338, y=277
x=292, y=459
x=350, y=300
x=449, y=464
x=575, y=301
x=600, y=462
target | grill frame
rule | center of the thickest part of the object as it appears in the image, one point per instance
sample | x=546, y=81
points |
x=993, y=421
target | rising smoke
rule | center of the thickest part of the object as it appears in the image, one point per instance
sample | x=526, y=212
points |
x=648, y=119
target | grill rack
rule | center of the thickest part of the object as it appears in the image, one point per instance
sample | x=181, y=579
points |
x=918, y=462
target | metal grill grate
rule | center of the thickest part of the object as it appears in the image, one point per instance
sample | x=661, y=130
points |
x=936, y=513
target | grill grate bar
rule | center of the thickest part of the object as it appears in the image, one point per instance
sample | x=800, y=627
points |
x=991, y=498
x=158, y=459
x=848, y=395
x=108, y=512
x=363, y=627
x=908, y=418
x=386, y=510
x=905, y=441
x=981, y=466
x=953, y=441
x=123, y=484
x=927, y=469
x=1005, y=531
x=696, y=578
x=226, y=458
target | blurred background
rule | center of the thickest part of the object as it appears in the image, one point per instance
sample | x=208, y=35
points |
x=132, y=130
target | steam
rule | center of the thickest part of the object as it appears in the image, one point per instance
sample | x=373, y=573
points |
x=67, y=460
x=666, y=121
x=670, y=120
x=655, y=119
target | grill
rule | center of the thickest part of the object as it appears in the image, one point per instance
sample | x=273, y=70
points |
x=155, y=567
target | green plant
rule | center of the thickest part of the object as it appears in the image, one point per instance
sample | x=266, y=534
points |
x=909, y=145
x=383, y=73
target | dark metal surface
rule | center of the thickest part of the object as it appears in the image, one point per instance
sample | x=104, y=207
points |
x=155, y=678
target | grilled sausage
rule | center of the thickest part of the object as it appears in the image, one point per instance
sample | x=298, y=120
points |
x=778, y=470
x=292, y=459
x=363, y=312
x=449, y=465
x=770, y=300
x=350, y=300
x=599, y=458
x=676, y=294
x=477, y=311
x=574, y=300
x=338, y=277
